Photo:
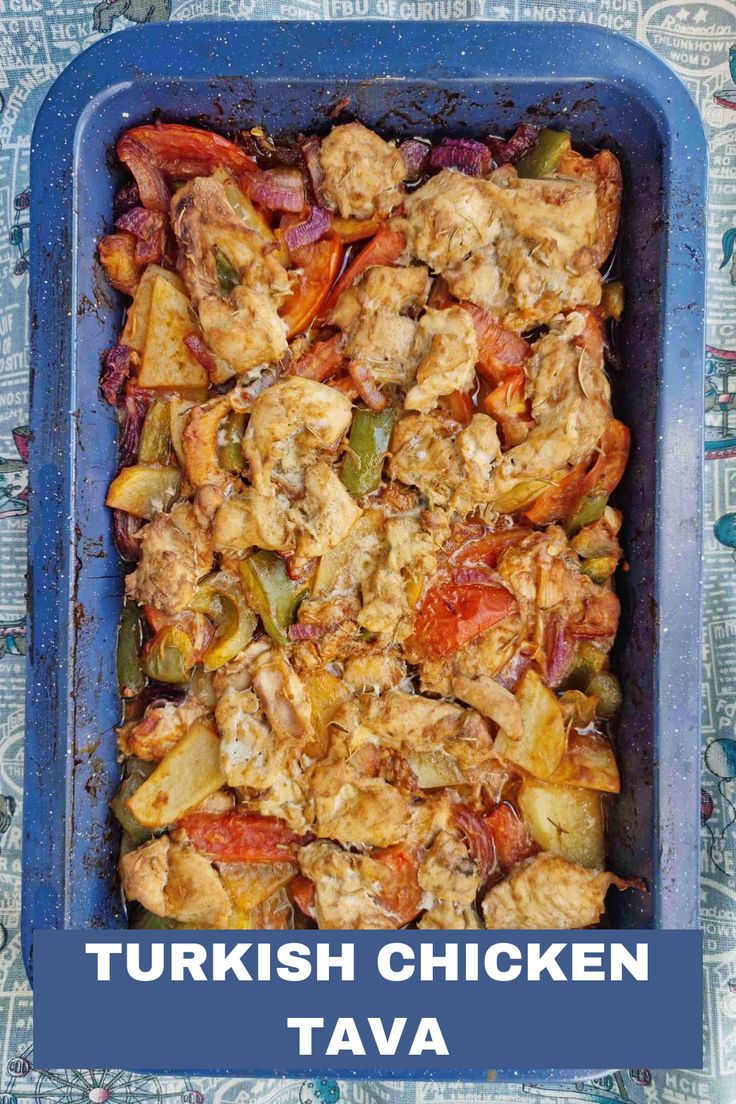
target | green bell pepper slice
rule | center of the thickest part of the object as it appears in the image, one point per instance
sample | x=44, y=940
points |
x=168, y=656
x=136, y=772
x=155, y=442
x=607, y=689
x=272, y=594
x=220, y=599
x=589, y=510
x=131, y=676
x=227, y=275
x=230, y=442
x=368, y=443
x=545, y=156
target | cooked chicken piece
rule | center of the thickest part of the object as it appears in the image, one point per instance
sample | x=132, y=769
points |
x=445, y=916
x=423, y=455
x=374, y=672
x=245, y=330
x=176, y=551
x=371, y=314
x=291, y=425
x=548, y=891
x=160, y=730
x=282, y=696
x=388, y=594
x=362, y=173
x=604, y=171
x=544, y=575
x=448, y=348
x=284, y=799
x=251, y=754
x=450, y=217
x=479, y=450
x=173, y=881
x=251, y=519
x=345, y=569
x=348, y=887
x=241, y=326
x=412, y=725
x=236, y=675
x=364, y=812
x=487, y=655
x=448, y=871
x=518, y=248
x=326, y=513
x=264, y=730
x=570, y=405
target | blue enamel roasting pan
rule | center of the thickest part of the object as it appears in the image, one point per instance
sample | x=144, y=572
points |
x=404, y=79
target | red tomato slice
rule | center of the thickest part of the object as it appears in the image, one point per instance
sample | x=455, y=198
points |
x=324, y=360
x=184, y=151
x=303, y=893
x=510, y=407
x=459, y=405
x=353, y=229
x=500, y=351
x=384, y=248
x=510, y=837
x=489, y=549
x=605, y=475
x=453, y=613
x=402, y=898
x=238, y=836
x=320, y=263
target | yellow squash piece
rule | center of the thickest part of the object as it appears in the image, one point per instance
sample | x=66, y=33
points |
x=144, y=490
x=188, y=774
x=564, y=819
x=166, y=361
x=250, y=884
x=544, y=739
x=219, y=597
x=521, y=496
x=139, y=311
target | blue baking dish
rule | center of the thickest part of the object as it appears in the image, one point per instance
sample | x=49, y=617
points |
x=419, y=78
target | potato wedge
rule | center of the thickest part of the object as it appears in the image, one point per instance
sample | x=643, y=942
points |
x=493, y=700
x=590, y=763
x=166, y=361
x=188, y=774
x=144, y=490
x=136, y=320
x=564, y=819
x=199, y=443
x=543, y=740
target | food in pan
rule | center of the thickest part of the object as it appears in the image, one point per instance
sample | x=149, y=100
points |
x=367, y=448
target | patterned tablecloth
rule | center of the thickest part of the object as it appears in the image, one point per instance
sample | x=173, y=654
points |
x=37, y=39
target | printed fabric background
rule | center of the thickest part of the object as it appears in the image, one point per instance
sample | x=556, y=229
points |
x=37, y=39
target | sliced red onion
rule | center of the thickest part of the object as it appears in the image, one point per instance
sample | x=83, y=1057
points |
x=201, y=353
x=277, y=189
x=306, y=632
x=115, y=373
x=521, y=141
x=127, y=197
x=416, y=156
x=125, y=528
x=478, y=839
x=136, y=408
x=149, y=230
x=158, y=694
x=314, y=228
x=560, y=652
x=310, y=153
x=464, y=154
x=152, y=187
